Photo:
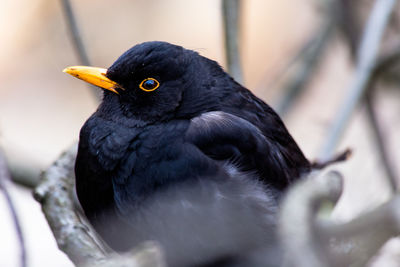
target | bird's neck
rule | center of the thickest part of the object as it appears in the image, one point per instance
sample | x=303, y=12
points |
x=122, y=112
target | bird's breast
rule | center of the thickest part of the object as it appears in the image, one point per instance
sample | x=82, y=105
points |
x=157, y=158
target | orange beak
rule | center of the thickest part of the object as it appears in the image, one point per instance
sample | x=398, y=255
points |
x=93, y=75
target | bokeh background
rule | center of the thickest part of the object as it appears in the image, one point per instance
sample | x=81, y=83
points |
x=42, y=109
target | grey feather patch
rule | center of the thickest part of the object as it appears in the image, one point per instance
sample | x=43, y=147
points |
x=203, y=220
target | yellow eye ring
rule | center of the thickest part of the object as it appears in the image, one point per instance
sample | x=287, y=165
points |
x=149, y=84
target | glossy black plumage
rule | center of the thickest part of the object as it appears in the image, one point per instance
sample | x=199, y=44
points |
x=200, y=129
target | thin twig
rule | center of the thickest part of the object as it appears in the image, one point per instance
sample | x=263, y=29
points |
x=319, y=165
x=349, y=24
x=77, y=41
x=298, y=54
x=379, y=140
x=310, y=57
x=231, y=18
x=366, y=60
x=387, y=61
x=75, y=34
x=384, y=63
x=4, y=178
x=298, y=71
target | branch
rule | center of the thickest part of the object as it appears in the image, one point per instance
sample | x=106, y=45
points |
x=54, y=193
x=77, y=240
x=4, y=178
x=361, y=238
x=313, y=242
x=366, y=61
x=231, y=13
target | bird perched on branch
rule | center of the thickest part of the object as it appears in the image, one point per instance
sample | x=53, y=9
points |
x=180, y=153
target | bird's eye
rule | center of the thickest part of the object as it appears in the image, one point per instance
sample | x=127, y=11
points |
x=149, y=84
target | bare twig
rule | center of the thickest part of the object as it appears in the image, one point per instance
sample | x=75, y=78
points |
x=294, y=77
x=4, y=178
x=297, y=224
x=231, y=15
x=349, y=24
x=77, y=41
x=75, y=34
x=74, y=238
x=366, y=60
x=319, y=165
x=308, y=61
x=298, y=55
x=379, y=140
x=385, y=62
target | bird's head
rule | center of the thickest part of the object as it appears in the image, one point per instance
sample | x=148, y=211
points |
x=155, y=81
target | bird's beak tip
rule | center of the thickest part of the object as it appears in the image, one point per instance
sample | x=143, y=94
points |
x=66, y=70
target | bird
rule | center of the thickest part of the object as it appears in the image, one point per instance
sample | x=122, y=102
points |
x=181, y=153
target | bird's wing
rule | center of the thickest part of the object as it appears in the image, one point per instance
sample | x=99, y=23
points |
x=244, y=104
x=226, y=137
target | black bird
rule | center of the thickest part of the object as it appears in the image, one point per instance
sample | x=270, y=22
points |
x=181, y=153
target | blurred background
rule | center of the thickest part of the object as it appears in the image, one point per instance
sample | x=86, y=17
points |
x=283, y=45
